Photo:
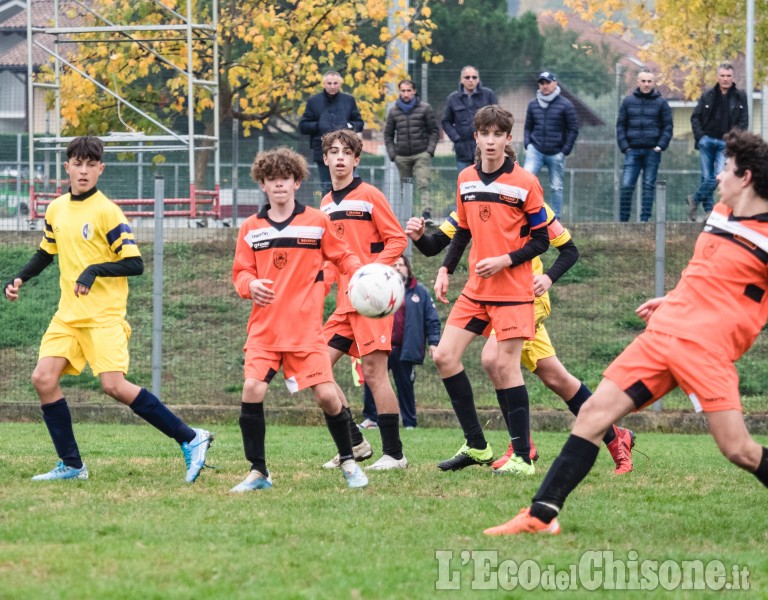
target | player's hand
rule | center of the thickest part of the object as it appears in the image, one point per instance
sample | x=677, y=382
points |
x=441, y=285
x=12, y=290
x=414, y=228
x=81, y=290
x=260, y=293
x=541, y=284
x=490, y=266
x=646, y=309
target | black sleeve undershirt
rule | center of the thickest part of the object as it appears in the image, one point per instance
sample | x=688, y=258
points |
x=433, y=244
x=567, y=257
x=126, y=267
x=37, y=264
x=456, y=248
x=538, y=244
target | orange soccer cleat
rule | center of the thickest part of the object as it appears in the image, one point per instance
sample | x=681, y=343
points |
x=621, y=449
x=525, y=523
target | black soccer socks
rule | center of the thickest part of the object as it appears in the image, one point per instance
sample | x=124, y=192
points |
x=389, y=429
x=254, y=429
x=59, y=422
x=460, y=392
x=157, y=414
x=338, y=426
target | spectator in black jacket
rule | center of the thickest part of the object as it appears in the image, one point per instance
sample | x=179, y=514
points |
x=327, y=111
x=415, y=326
x=460, y=109
x=719, y=110
x=643, y=132
x=411, y=135
x=551, y=128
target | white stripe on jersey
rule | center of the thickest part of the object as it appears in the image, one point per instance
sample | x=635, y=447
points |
x=736, y=228
x=502, y=189
x=348, y=204
x=267, y=234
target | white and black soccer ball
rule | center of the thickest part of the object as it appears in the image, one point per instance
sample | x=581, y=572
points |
x=376, y=290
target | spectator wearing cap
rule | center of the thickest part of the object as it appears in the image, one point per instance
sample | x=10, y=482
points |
x=459, y=115
x=643, y=132
x=551, y=129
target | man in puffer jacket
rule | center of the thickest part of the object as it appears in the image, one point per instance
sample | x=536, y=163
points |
x=411, y=135
x=643, y=132
x=460, y=109
x=551, y=129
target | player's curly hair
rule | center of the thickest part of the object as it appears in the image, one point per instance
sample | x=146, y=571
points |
x=86, y=147
x=749, y=153
x=348, y=139
x=279, y=163
x=493, y=116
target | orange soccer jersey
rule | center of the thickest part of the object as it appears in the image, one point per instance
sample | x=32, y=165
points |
x=361, y=215
x=500, y=209
x=721, y=301
x=291, y=255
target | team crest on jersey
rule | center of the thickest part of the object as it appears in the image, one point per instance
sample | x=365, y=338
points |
x=87, y=232
x=338, y=229
x=485, y=212
x=280, y=259
x=710, y=247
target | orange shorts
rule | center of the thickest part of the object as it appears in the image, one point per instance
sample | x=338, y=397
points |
x=356, y=335
x=300, y=369
x=656, y=363
x=509, y=321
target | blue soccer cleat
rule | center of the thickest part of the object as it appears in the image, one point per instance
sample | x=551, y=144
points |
x=255, y=480
x=194, y=453
x=62, y=471
x=353, y=474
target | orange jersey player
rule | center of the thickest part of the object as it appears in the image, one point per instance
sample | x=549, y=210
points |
x=501, y=208
x=278, y=265
x=361, y=215
x=693, y=337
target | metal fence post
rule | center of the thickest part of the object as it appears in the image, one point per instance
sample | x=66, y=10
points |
x=404, y=208
x=661, y=248
x=157, y=289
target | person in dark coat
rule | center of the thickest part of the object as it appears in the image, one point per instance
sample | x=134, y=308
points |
x=719, y=110
x=643, y=132
x=416, y=325
x=551, y=129
x=460, y=109
x=327, y=111
x=411, y=135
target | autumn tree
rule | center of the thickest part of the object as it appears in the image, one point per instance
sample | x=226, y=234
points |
x=691, y=36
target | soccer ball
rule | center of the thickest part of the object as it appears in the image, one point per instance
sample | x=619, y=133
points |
x=376, y=290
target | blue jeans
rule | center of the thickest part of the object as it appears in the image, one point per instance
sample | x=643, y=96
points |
x=462, y=164
x=404, y=375
x=712, y=157
x=555, y=163
x=636, y=159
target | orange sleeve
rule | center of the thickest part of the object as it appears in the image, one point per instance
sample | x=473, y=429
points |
x=244, y=265
x=390, y=230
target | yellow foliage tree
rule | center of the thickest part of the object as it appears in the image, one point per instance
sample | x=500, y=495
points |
x=272, y=57
x=692, y=36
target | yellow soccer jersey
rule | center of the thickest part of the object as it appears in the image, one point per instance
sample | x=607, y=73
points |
x=84, y=233
x=558, y=235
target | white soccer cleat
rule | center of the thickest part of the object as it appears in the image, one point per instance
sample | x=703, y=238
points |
x=387, y=463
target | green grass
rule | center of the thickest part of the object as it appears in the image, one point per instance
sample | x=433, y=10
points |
x=135, y=530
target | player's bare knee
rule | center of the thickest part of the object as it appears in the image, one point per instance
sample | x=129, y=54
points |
x=444, y=361
x=738, y=453
x=112, y=389
x=43, y=381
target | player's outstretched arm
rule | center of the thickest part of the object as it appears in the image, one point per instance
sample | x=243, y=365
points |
x=414, y=228
x=12, y=289
x=36, y=265
x=646, y=309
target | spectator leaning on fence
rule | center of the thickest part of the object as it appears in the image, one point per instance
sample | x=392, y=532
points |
x=411, y=135
x=327, y=111
x=551, y=129
x=643, y=132
x=719, y=109
x=460, y=109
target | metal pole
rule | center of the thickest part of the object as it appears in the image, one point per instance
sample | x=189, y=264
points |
x=235, y=162
x=571, y=192
x=157, y=289
x=424, y=81
x=18, y=181
x=750, y=61
x=661, y=247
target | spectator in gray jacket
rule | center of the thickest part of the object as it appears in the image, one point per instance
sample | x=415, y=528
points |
x=643, y=132
x=459, y=116
x=411, y=135
x=551, y=128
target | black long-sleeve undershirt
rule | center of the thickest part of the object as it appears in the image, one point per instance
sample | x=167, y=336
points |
x=567, y=257
x=126, y=267
x=432, y=244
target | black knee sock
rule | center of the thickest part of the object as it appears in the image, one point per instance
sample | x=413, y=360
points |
x=762, y=469
x=157, y=414
x=460, y=392
x=59, y=422
x=576, y=460
x=579, y=398
x=338, y=425
x=354, y=431
x=518, y=421
x=389, y=429
x=502, y=400
x=610, y=435
x=254, y=429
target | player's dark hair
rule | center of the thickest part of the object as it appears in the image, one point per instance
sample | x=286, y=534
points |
x=407, y=264
x=749, y=153
x=347, y=138
x=279, y=163
x=495, y=117
x=87, y=147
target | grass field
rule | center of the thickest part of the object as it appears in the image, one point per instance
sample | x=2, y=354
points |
x=135, y=530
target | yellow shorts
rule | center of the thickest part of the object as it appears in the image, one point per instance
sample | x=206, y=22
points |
x=105, y=349
x=537, y=349
x=301, y=369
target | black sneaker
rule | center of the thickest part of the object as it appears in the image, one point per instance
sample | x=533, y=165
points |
x=466, y=457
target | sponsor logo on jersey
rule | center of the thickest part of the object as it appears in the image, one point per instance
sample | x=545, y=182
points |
x=355, y=213
x=338, y=229
x=260, y=245
x=87, y=232
x=485, y=212
x=306, y=241
x=280, y=259
x=510, y=200
x=469, y=197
